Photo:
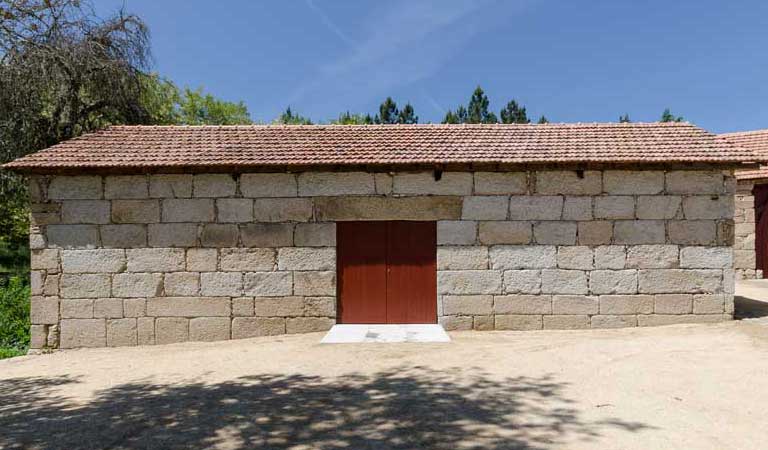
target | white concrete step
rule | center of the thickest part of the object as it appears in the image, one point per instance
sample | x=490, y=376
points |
x=374, y=333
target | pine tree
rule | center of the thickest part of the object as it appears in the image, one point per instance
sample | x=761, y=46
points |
x=477, y=110
x=388, y=112
x=542, y=120
x=624, y=119
x=667, y=116
x=514, y=113
x=291, y=118
x=407, y=115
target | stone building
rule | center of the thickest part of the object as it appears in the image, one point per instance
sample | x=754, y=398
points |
x=154, y=235
x=751, y=240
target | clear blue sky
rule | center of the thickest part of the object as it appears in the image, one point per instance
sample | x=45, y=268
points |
x=571, y=60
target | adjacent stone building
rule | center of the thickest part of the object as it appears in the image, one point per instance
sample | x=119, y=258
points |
x=154, y=235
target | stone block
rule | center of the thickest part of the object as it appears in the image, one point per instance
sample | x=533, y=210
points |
x=523, y=256
x=450, y=232
x=615, y=207
x=708, y=207
x=234, y=210
x=36, y=280
x=188, y=307
x=172, y=234
x=639, y=232
x=558, y=281
x=220, y=235
x=316, y=184
x=554, y=233
x=522, y=304
x=77, y=333
x=269, y=284
x=228, y=284
x=655, y=320
x=574, y=304
x=76, y=308
x=315, y=235
x=597, y=232
x=170, y=330
x=242, y=306
x=45, y=259
x=468, y=282
x=540, y=207
x=108, y=308
x=135, y=211
x=87, y=285
x=706, y=257
x=467, y=305
x=122, y=333
x=46, y=213
x=746, y=259
x=383, y=183
x=462, y=258
x=306, y=258
x=708, y=304
x=180, y=284
x=658, y=207
x=610, y=257
x=568, y=322
x=522, y=281
x=626, y=304
x=569, y=182
x=674, y=281
x=37, y=240
x=202, y=259
x=134, y=307
x=170, y=186
x=296, y=325
x=213, y=185
x=503, y=183
x=85, y=211
x=314, y=283
x=72, y=236
x=653, y=257
x=692, y=232
x=673, y=303
x=155, y=259
x=424, y=183
x=248, y=327
x=123, y=236
x=575, y=257
x=93, y=261
x=267, y=234
x=268, y=185
x=37, y=185
x=610, y=321
x=523, y=322
x=320, y=306
x=84, y=187
x=517, y=232
x=145, y=329
x=613, y=281
x=188, y=210
x=137, y=284
x=38, y=336
x=485, y=208
x=126, y=186
x=633, y=182
x=282, y=209
x=329, y=209
x=695, y=182
x=44, y=310
x=482, y=323
x=577, y=208
x=208, y=329
x=456, y=323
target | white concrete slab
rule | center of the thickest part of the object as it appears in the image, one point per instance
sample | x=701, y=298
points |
x=364, y=333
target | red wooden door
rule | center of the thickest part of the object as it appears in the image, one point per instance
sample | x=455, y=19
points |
x=387, y=272
x=760, y=192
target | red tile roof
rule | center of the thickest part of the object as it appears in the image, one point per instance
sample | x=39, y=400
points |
x=756, y=141
x=198, y=147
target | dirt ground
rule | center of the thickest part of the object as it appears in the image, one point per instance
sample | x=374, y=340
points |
x=686, y=386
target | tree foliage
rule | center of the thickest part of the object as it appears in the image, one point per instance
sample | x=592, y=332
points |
x=478, y=111
x=514, y=113
x=624, y=119
x=389, y=114
x=667, y=116
x=347, y=118
x=542, y=120
x=288, y=117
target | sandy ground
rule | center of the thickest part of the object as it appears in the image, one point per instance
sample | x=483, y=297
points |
x=686, y=386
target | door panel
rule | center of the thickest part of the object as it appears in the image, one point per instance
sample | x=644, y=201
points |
x=362, y=272
x=411, y=272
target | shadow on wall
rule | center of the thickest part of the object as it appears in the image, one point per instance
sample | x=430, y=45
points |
x=402, y=409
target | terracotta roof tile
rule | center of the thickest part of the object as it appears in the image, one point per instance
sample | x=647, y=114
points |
x=756, y=141
x=189, y=147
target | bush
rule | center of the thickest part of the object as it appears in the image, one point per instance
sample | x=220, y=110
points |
x=14, y=316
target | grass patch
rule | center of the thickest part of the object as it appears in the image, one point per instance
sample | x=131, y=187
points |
x=10, y=352
x=14, y=316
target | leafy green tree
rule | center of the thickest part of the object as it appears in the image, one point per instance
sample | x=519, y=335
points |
x=407, y=115
x=291, y=118
x=667, y=116
x=514, y=113
x=347, y=118
x=477, y=110
x=624, y=119
x=542, y=120
x=388, y=112
x=199, y=108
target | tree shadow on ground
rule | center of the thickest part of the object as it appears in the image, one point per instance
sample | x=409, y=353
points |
x=405, y=408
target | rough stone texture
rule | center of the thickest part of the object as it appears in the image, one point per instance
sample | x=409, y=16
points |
x=469, y=282
x=522, y=281
x=603, y=321
x=504, y=232
x=626, y=304
x=246, y=259
x=134, y=307
x=247, y=327
x=170, y=186
x=744, y=232
x=267, y=234
x=316, y=184
x=169, y=330
x=308, y=324
x=577, y=208
x=268, y=283
x=467, y=305
x=456, y=323
x=76, y=308
x=490, y=183
x=180, y=284
x=462, y=258
x=202, y=259
x=188, y=210
x=613, y=281
x=450, y=232
x=706, y=257
x=72, y=236
x=85, y=285
x=125, y=236
x=535, y=207
x=571, y=182
x=145, y=329
x=93, y=261
x=172, y=234
x=575, y=257
x=314, y=283
x=137, y=284
x=329, y=209
x=595, y=232
x=614, y=207
x=673, y=303
x=234, y=210
x=121, y=333
x=135, y=211
x=554, y=232
x=574, y=304
x=633, y=182
x=306, y=258
x=220, y=235
x=424, y=183
x=83, y=333
x=188, y=307
x=566, y=322
x=558, y=281
x=282, y=209
x=522, y=304
x=695, y=182
x=85, y=211
x=134, y=186
x=639, y=232
x=213, y=185
x=658, y=207
x=485, y=208
x=692, y=232
x=44, y=310
x=268, y=185
x=653, y=257
x=209, y=328
x=221, y=284
x=84, y=187
x=708, y=207
x=660, y=281
x=315, y=235
x=518, y=322
x=108, y=308
x=523, y=256
x=610, y=257
x=155, y=260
